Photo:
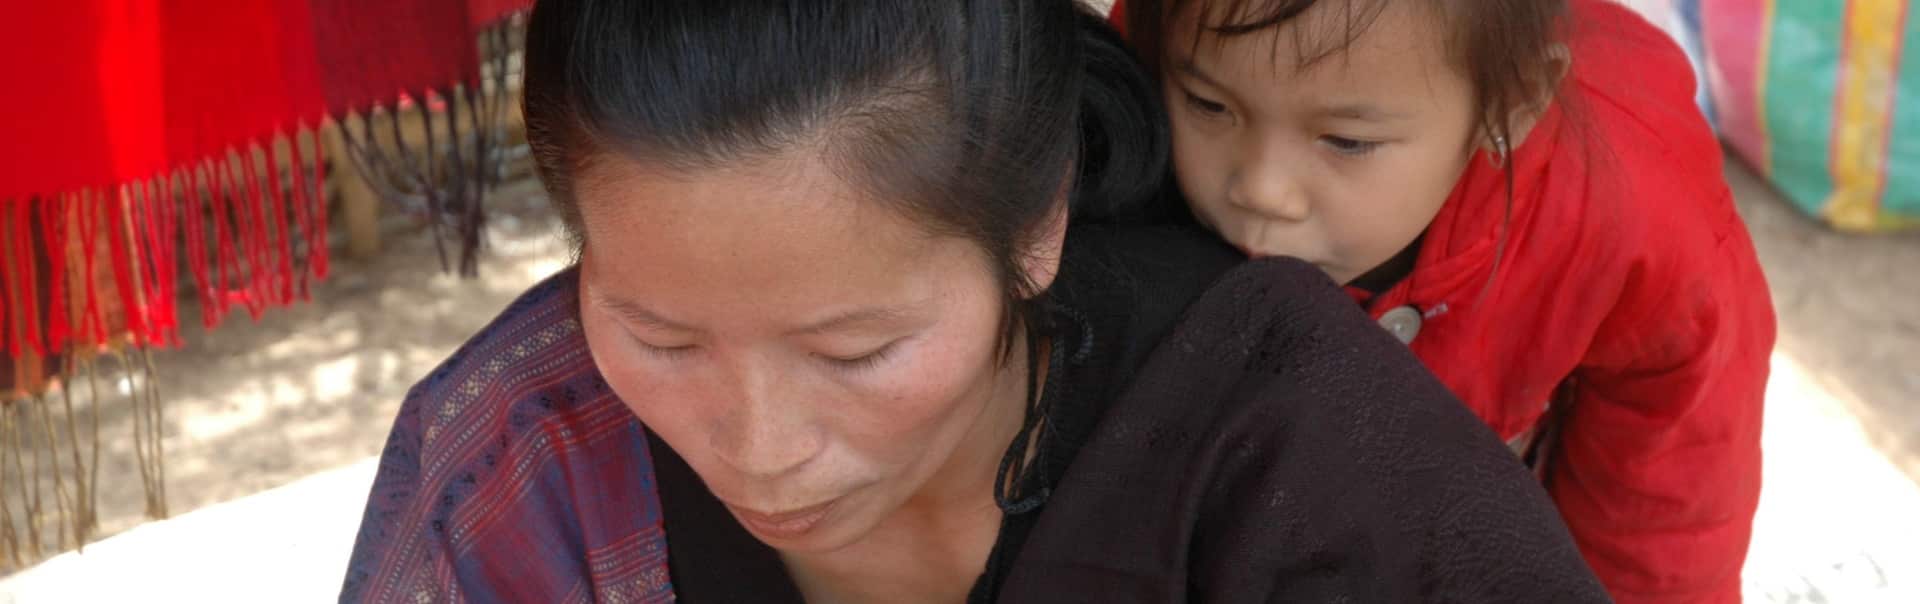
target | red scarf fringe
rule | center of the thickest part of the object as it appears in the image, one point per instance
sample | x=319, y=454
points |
x=85, y=267
x=152, y=122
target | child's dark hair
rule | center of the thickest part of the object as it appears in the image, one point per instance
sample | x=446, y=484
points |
x=959, y=113
x=1504, y=48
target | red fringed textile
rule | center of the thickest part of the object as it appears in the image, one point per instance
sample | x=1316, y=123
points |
x=138, y=127
x=142, y=136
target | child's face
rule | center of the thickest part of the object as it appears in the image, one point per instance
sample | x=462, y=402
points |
x=1342, y=163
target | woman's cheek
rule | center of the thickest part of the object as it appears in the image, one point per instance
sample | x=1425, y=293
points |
x=889, y=400
x=626, y=370
x=922, y=388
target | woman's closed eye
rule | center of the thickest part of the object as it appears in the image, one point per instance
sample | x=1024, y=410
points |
x=862, y=361
x=667, y=352
x=1349, y=146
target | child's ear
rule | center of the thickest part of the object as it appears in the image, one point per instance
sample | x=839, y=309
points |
x=1520, y=122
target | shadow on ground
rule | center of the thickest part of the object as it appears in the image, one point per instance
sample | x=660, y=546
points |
x=1849, y=308
x=255, y=405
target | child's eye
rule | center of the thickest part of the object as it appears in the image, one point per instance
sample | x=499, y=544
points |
x=1348, y=146
x=1205, y=106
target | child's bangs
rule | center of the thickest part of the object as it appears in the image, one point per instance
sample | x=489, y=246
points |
x=1335, y=30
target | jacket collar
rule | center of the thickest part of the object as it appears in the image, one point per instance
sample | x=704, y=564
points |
x=1456, y=261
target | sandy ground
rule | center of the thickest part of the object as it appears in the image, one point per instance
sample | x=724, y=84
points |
x=1839, y=517
x=271, y=426
x=251, y=406
x=1849, y=310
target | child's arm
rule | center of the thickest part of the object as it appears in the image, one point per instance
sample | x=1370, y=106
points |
x=1658, y=473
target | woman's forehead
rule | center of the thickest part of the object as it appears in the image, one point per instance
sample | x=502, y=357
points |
x=793, y=197
x=773, y=239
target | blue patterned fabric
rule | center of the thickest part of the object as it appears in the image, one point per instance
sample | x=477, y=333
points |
x=514, y=474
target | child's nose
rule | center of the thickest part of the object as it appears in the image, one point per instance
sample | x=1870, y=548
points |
x=1269, y=189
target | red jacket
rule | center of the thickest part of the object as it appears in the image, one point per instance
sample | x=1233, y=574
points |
x=1627, y=288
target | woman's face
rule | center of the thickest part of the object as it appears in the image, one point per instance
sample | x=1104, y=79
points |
x=817, y=358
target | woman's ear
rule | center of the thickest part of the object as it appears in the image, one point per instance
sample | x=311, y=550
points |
x=1521, y=120
x=1040, y=263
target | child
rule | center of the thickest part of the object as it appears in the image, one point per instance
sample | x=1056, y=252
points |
x=1524, y=191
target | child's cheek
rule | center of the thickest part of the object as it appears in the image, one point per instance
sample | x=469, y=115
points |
x=1199, y=168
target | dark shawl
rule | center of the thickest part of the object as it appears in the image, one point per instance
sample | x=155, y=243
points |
x=1273, y=447
x=1277, y=446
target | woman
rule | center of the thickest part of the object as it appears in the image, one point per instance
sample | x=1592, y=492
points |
x=831, y=339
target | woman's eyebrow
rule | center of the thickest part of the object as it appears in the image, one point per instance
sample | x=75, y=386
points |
x=635, y=313
x=875, y=314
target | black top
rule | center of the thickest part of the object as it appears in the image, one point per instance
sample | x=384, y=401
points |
x=1272, y=445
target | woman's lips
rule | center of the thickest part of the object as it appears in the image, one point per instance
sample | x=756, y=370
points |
x=787, y=525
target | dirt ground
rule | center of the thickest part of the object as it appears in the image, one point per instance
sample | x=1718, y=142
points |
x=1849, y=309
x=255, y=405
x=313, y=388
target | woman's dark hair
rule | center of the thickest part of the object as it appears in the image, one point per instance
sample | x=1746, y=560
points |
x=960, y=113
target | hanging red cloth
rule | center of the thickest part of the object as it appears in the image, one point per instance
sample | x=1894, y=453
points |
x=141, y=136
x=137, y=126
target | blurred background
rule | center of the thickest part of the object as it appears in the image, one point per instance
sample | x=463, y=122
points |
x=235, y=234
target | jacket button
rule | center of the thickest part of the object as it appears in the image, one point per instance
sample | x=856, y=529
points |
x=1402, y=322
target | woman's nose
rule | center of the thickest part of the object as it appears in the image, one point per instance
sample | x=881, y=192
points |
x=767, y=430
